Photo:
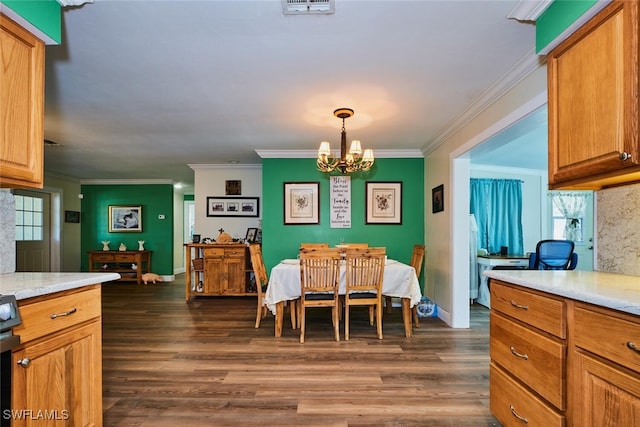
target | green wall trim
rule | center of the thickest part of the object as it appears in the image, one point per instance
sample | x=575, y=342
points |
x=281, y=241
x=557, y=18
x=156, y=199
x=45, y=15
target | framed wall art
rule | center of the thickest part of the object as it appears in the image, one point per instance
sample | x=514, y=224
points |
x=251, y=235
x=125, y=218
x=71, y=216
x=383, y=202
x=437, y=199
x=301, y=203
x=232, y=187
x=233, y=206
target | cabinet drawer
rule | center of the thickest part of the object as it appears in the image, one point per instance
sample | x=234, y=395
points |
x=608, y=336
x=234, y=253
x=213, y=252
x=102, y=258
x=542, y=312
x=124, y=258
x=37, y=316
x=533, y=358
x=510, y=400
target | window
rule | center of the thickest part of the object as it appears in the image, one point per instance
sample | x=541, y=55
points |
x=568, y=214
x=29, y=218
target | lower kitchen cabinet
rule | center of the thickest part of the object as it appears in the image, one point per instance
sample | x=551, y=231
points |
x=556, y=361
x=57, y=369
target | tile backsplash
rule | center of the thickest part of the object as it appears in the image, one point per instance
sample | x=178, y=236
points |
x=618, y=230
x=7, y=232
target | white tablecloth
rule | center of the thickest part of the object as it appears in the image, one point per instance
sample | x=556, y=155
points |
x=284, y=283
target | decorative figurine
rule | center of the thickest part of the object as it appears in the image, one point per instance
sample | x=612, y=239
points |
x=105, y=245
x=141, y=245
x=122, y=247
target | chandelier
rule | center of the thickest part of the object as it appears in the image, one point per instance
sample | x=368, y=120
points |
x=353, y=160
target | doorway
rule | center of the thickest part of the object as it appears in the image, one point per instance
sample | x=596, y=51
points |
x=33, y=231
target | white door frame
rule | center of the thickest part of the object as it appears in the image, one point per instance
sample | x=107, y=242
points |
x=460, y=168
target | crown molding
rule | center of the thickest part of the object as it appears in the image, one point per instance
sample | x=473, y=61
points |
x=527, y=10
x=312, y=154
x=523, y=68
x=126, y=181
x=223, y=166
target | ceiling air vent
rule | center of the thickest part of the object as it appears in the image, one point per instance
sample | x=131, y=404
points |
x=302, y=7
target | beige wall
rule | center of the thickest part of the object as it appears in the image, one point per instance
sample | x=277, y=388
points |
x=446, y=269
x=68, y=191
x=209, y=181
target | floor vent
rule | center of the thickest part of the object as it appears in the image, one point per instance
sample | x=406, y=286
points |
x=304, y=7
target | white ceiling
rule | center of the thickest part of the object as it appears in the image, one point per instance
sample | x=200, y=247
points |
x=141, y=89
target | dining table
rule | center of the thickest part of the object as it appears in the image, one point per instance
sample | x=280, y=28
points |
x=399, y=281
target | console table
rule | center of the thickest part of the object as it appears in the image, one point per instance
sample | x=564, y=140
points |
x=131, y=265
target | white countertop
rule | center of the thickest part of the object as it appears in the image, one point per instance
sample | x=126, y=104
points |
x=615, y=291
x=27, y=285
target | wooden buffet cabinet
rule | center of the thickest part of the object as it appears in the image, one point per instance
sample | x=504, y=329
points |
x=560, y=362
x=594, y=102
x=58, y=365
x=217, y=270
x=21, y=106
x=121, y=262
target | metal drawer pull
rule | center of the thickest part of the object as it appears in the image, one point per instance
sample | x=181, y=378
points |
x=515, y=414
x=24, y=362
x=633, y=346
x=520, y=355
x=516, y=305
x=66, y=313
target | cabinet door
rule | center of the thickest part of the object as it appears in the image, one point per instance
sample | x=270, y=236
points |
x=606, y=395
x=593, y=97
x=235, y=265
x=62, y=375
x=21, y=106
x=214, y=275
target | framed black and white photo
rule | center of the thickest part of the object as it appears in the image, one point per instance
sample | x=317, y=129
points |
x=125, y=218
x=233, y=206
x=301, y=203
x=437, y=199
x=251, y=235
x=383, y=202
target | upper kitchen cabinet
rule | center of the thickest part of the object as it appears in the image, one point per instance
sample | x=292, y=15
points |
x=594, y=102
x=21, y=106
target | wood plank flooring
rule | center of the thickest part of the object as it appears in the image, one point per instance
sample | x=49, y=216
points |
x=167, y=362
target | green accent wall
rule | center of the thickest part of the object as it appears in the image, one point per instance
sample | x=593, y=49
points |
x=558, y=17
x=281, y=241
x=45, y=15
x=155, y=199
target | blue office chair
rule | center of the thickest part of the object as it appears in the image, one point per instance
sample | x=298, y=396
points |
x=553, y=255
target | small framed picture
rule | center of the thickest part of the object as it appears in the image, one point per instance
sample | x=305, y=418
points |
x=301, y=203
x=71, y=216
x=383, y=202
x=195, y=238
x=126, y=218
x=232, y=188
x=251, y=235
x=437, y=199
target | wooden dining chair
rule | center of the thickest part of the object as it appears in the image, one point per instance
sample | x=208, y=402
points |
x=417, y=259
x=364, y=276
x=313, y=245
x=319, y=284
x=262, y=281
x=354, y=245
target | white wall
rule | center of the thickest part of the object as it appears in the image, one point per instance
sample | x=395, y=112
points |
x=209, y=181
x=178, y=232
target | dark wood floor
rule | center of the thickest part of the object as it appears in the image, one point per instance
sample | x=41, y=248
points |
x=167, y=362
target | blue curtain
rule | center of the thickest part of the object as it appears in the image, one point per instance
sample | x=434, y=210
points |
x=497, y=207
